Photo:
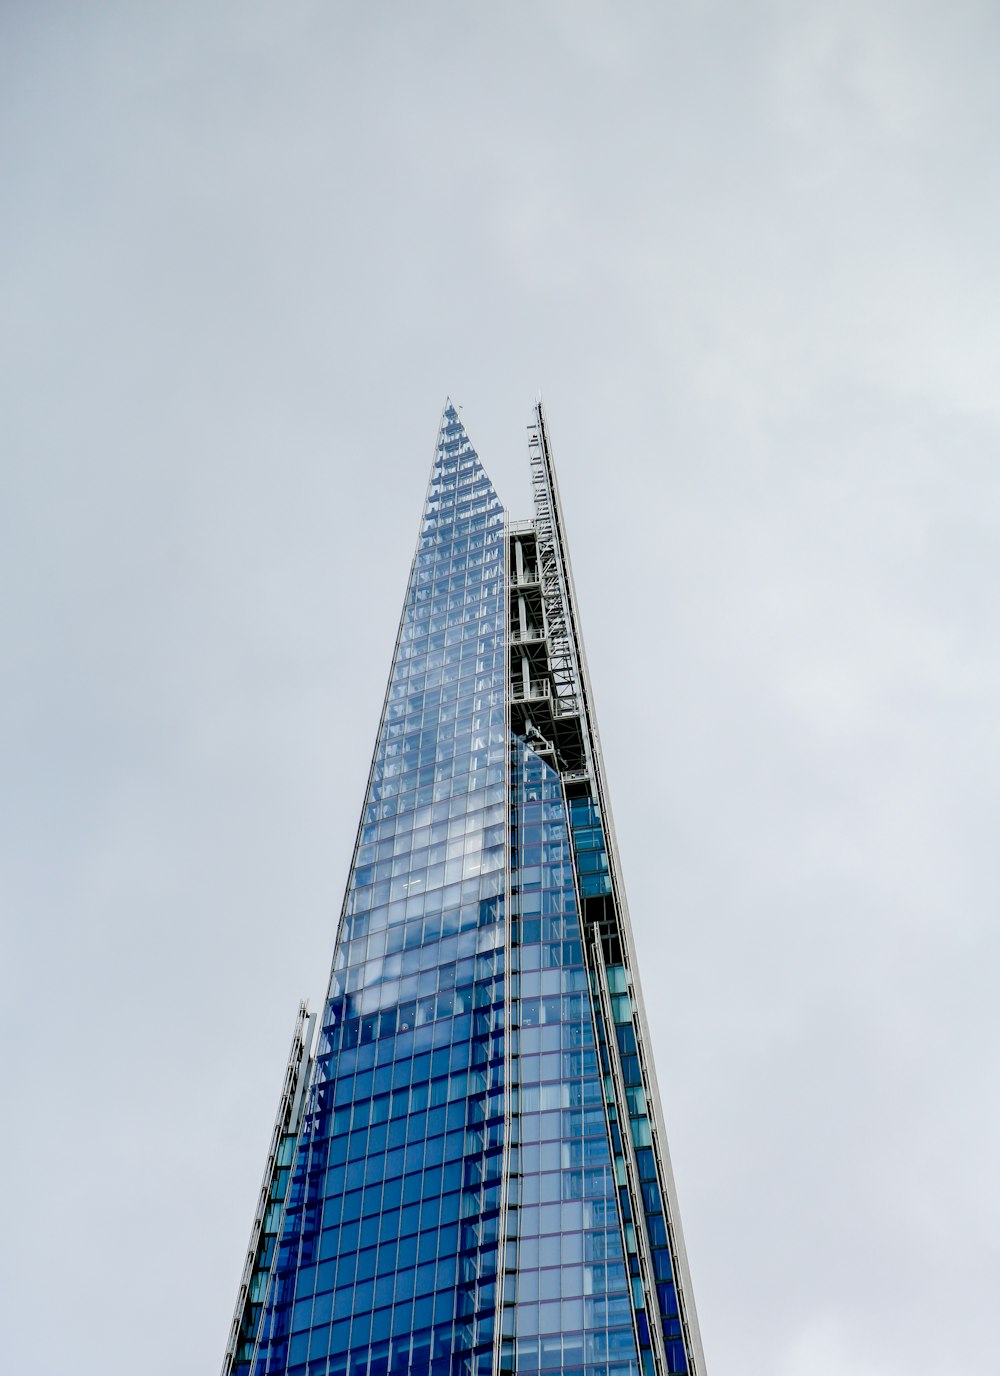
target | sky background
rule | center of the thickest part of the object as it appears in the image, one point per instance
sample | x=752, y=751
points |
x=749, y=252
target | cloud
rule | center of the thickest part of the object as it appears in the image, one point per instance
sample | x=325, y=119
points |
x=749, y=254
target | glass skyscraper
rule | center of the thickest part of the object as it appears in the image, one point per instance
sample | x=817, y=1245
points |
x=468, y=1174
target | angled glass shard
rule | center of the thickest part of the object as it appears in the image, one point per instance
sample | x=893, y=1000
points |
x=470, y=1174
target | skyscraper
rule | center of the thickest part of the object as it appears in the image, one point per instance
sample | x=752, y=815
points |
x=468, y=1172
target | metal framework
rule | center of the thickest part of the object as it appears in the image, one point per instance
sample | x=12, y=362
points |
x=551, y=705
x=245, y=1329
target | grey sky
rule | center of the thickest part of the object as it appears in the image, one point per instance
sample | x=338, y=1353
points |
x=749, y=251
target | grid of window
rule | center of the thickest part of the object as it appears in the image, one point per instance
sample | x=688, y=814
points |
x=589, y=848
x=567, y=1297
x=388, y=1255
x=592, y=867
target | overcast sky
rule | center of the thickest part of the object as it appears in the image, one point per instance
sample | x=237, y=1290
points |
x=749, y=252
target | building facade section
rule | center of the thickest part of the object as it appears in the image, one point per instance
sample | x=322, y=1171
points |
x=471, y=1174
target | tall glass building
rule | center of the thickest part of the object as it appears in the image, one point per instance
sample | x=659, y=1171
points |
x=468, y=1174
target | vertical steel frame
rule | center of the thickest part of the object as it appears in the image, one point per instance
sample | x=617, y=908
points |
x=572, y=692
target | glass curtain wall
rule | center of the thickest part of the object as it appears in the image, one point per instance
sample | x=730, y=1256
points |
x=567, y=1299
x=388, y=1255
x=477, y=1186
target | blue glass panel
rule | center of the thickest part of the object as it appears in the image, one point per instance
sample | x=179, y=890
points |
x=590, y=855
x=572, y=1307
x=396, y=1184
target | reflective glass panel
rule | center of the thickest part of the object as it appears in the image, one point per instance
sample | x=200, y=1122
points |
x=387, y=1259
x=571, y=1309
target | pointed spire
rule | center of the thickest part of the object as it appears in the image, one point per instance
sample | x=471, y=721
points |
x=454, y=443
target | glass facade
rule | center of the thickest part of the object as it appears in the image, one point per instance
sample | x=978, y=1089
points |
x=567, y=1296
x=475, y=1183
